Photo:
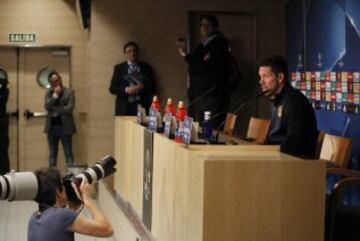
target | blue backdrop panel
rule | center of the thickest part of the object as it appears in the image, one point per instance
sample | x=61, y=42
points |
x=332, y=43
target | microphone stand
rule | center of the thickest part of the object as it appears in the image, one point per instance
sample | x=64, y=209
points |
x=199, y=97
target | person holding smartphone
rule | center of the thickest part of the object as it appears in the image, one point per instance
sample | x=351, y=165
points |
x=208, y=68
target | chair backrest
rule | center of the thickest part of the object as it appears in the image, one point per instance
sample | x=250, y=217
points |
x=258, y=129
x=320, y=141
x=336, y=150
x=229, y=124
x=342, y=221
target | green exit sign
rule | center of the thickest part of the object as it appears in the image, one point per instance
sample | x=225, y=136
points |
x=22, y=37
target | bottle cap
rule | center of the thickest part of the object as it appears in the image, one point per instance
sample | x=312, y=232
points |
x=207, y=115
x=169, y=101
x=155, y=98
x=181, y=104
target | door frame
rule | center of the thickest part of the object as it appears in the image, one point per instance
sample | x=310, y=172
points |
x=18, y=47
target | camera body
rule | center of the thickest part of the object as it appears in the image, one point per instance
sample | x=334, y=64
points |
x=26, y=185
x=99, y=170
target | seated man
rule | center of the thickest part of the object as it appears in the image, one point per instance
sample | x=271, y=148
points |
x=293, y=121
x=53, y=221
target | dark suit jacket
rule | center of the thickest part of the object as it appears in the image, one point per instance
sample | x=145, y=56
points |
x=119, y=84
x=64, y=105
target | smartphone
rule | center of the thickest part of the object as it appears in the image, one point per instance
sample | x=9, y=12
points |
x=181, y=43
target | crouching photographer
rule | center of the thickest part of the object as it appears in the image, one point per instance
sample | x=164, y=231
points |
x=60, y=201
x=54, y=221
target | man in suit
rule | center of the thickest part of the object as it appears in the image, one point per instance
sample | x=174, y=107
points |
x=60, y=125
x=132, y=82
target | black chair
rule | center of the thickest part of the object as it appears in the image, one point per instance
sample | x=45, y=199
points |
x=342, y=220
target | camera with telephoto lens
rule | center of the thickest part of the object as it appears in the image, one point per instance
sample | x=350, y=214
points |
x=25, y=185
x=99, y=170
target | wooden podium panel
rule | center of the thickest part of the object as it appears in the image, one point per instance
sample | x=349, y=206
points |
x=235, y=195
x=129, y=153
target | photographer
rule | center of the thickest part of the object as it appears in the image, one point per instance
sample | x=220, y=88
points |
x=54, y=221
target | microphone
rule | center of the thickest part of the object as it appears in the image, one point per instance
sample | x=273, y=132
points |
x=250, y=99
x=246, y=101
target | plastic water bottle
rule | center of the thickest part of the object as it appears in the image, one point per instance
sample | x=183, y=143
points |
x=207, y=126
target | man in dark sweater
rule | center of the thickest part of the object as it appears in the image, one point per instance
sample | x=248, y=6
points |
x=293, y=122
x=208, y=68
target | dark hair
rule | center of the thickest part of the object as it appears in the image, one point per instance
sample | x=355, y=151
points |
x=277, y=63
x=133, y=44
x=212, y=19
x=49, y=180
x=53, y=73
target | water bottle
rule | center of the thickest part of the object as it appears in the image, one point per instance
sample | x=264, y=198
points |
x=207, y=126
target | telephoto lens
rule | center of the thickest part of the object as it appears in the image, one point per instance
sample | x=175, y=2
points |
x=18, y=186
x=99, y=170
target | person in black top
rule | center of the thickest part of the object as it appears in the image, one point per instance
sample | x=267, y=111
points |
x=132, y=82
x=4, y=127
x=208, y=68
x=293, y=122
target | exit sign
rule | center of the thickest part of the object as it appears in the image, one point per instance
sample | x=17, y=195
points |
x=22, y=37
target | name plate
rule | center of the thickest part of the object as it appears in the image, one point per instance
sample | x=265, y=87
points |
x=153, y=118
x=140, y=115
x=188, y=124
x=170, y=125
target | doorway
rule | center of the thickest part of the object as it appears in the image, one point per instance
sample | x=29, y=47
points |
x=27, y=69
x=240, y=28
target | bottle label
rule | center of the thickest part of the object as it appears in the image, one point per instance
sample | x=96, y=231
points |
x=168, y=121
x=187, y=129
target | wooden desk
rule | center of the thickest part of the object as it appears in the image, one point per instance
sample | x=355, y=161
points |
x=216, y=193
x=253, y=195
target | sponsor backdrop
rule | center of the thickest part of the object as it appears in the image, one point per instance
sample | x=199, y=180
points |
x=323, y=51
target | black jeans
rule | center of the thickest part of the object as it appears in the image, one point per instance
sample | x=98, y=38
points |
x=4, y=144
x=54, y=136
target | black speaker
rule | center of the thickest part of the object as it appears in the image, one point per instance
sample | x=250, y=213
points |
x=84, y=10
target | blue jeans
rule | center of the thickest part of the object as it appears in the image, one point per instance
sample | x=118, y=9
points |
x=54, y=136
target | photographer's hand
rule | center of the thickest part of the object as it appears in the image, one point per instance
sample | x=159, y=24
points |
x=98, y=226
x=86, y=191
x=182, y=52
